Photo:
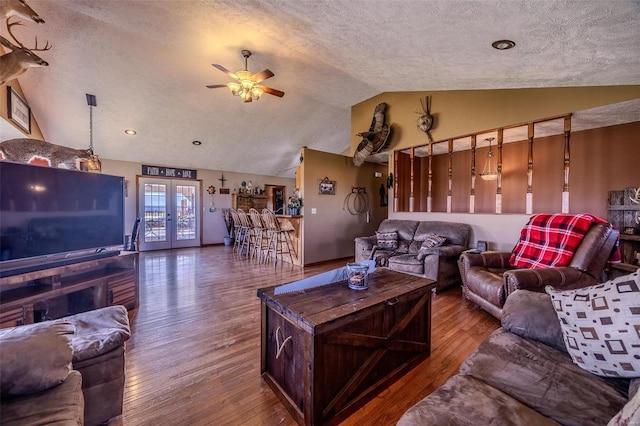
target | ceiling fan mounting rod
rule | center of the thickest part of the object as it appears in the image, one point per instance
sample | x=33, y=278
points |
x=246, y=54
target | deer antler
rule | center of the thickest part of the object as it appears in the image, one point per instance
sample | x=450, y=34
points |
x=35, y=49
x=636, y=198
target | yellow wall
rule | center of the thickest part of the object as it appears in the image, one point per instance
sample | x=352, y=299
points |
x=330, y=233
x=458, y=113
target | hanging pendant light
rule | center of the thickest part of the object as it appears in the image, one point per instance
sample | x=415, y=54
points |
x=93, y=163
x=490, y=171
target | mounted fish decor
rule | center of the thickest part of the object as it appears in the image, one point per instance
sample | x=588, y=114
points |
x=375, y=139
x=425, y=122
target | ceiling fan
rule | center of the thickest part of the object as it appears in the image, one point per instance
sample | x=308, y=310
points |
x=247, y=84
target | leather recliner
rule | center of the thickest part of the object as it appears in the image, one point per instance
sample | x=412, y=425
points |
x=488, y=278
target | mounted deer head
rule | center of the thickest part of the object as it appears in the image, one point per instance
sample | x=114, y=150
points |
x=20, y=59
x=19, y=8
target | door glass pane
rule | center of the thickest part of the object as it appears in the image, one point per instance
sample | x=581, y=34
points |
x=185, y=213
x=155, y=212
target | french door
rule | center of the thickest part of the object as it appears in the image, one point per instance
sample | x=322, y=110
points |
x=170, y=213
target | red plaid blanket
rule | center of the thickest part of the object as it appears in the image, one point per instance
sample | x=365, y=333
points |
x=551, y=240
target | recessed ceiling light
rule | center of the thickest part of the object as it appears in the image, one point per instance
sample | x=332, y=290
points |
x=130, y=132
x=196, y=143
x=503, y=44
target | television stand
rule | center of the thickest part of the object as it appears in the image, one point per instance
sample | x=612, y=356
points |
x=63, y=290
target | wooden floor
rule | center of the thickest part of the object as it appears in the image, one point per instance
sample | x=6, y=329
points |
x=194, y=354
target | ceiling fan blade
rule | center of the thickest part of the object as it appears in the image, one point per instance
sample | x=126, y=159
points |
x=262, y=75
x=215, y=86
x=226, y=71
x=271, y=91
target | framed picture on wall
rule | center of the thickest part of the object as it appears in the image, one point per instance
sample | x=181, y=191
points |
x=18, y=110
x=326, y=186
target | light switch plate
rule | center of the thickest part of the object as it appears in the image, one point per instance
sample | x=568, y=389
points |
x=314, y=210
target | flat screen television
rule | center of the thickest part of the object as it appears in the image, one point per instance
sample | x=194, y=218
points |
x=51, y=217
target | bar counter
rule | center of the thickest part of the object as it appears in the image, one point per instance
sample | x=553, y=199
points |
x=293, y=224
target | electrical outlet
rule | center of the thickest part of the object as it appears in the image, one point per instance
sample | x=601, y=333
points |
x=314, y=210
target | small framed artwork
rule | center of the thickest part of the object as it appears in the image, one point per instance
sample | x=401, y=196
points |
x=629, y=230
x=326, y=186
x=18, y=110
x=482, y=246
x=224, y=190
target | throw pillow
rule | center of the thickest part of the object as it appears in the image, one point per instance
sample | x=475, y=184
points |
x=387, y=240
x=430, y=242
x=601, y=325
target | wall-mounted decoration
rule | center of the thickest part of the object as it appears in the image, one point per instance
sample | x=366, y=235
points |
x=18, y=110
x=326, y=186
x=168, y=172
x=375, y=139
x=20, y=59
x=425, y=121
x=211, y=190
x=35, y=151
x=222, y=181
x=224, y=191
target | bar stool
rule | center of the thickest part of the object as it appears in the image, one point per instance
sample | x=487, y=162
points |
x=245, y=223
x=278, y=242
x=239, y=230
x=258, y=230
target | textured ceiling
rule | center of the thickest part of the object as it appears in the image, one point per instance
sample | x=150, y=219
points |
x=148, y=63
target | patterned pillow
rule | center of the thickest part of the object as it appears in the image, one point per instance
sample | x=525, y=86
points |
x=601, y=325
x=387, y=240
x=430, y=242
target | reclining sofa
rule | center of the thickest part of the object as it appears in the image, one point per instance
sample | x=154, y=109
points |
x=418, y=250
x=530, y=372
x=68, y=371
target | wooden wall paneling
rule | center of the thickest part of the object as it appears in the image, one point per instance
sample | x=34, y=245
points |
x=529, y=197
x=567, y=161
x=412, y=157
x=499, y=189
x=449, y=174
x=403, y=180
x=472, y=194
x=430, y=179
x=396, y=199
x=418, y=185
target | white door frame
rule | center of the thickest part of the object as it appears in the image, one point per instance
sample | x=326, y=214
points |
x=170, y=223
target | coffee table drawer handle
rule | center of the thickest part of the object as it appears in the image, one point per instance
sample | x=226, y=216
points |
x=280, y=346
x=393, y=301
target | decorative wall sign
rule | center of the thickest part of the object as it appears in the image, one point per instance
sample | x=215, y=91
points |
x=224, y=190
x=326, y=186
x=168, y=172
x=18, y=110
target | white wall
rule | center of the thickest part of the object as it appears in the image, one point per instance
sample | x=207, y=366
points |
x=500, y=231
x=213, y=226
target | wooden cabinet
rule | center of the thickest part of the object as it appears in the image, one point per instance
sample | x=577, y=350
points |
x=247, y=201
x=328, y=350
x=623, y=213
x=65, y=290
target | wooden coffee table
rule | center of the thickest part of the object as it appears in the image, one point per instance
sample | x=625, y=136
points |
x=328, y=350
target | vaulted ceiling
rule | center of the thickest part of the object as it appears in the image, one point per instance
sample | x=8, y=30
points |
x=148, y=63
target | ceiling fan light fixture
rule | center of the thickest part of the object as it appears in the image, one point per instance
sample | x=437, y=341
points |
x=248, y=86
x=256, y=92
x=235, y=88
